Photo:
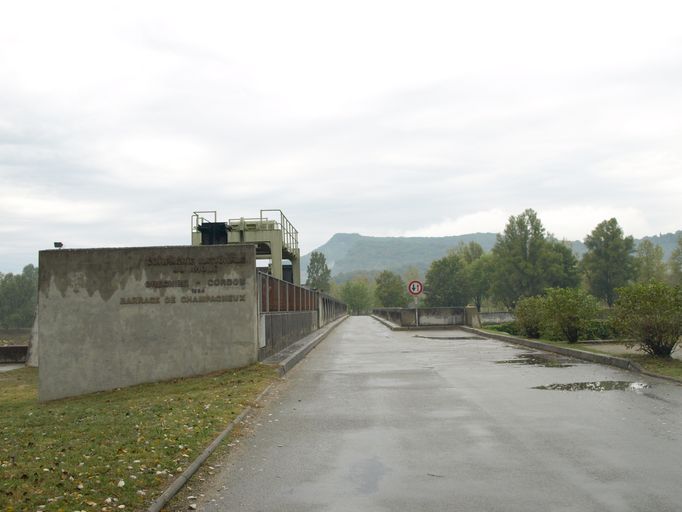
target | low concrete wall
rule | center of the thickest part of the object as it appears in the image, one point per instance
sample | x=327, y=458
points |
x=497, y=317
x=110, y=318
x=393, y=315
x=283, y=329
x=441, y=316
x=15, y=354
x=423, y=317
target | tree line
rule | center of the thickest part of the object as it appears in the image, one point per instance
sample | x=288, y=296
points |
x=538, y=277
x=525, y=261
x=18, y=298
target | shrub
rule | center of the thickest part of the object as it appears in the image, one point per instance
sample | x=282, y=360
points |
x=508, y=327
x=568, y=311
x=598, y=329
x=529, y=316
x=651, y=314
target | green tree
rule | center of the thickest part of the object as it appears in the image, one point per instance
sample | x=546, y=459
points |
x=468, y=253
x=650, y=313
x=562, y=269
x=568, y=311
x=391, y=290
x=357, y=294
x=477, y=270
x=675, y=264
x=608, y=263
x=479, y=277
x=526, y=261
x=649, y=262
x=319, y=274
x=529, y=316
x=18, y=298
x=446, y=283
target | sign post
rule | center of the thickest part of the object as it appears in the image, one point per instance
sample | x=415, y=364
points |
x=415, y=288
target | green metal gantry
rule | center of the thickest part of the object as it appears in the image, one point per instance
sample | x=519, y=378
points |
x=275, y=239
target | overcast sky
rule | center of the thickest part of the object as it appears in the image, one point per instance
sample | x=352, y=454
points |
x=119, y=119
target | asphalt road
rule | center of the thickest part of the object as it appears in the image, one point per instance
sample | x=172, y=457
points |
x=375, y=420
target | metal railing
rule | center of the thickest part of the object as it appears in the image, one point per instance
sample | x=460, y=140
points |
x=289, y=232
x=277, y=295
x=198, y=219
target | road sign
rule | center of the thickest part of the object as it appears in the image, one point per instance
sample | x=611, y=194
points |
x=415, y=288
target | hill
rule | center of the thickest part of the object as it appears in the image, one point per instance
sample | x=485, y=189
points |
x=350, y=254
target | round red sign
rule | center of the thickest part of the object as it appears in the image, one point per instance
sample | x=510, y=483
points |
x=415, y=288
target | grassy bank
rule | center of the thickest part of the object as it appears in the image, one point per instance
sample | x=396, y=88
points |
x=115, y=450
x=668, y=367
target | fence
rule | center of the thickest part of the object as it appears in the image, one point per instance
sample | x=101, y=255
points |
x=277, y=296
x=289, y=313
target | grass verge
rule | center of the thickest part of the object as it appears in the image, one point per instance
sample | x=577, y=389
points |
x=659, y=366
x=115, y=450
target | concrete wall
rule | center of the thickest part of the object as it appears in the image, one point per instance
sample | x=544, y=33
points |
x=283, y=329
x=407, y=317
x=500, y=317
x=433, y=316
x=13, y=354
x=110, y=318
x=391, y=314
x=32, y=357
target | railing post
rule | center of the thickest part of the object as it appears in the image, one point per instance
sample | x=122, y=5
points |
x=267, y=287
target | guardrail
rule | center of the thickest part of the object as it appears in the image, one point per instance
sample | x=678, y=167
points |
x=289, y=312
x=277, y=295
x=198, y=219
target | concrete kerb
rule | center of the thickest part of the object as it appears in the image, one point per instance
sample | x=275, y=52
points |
x=390, y=325
x=396, y=327
x=290, y=357
x=181, y=480
x=284, y=366
x=592, y=357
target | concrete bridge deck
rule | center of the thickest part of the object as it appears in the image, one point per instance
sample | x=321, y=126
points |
x=375, y=420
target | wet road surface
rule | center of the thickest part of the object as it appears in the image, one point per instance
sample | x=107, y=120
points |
x=375, y=420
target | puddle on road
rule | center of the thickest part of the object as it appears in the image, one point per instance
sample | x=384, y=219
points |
x=603, y=385
x=539, y=360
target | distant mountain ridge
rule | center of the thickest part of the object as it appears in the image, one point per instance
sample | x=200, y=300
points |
x=351, y=253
